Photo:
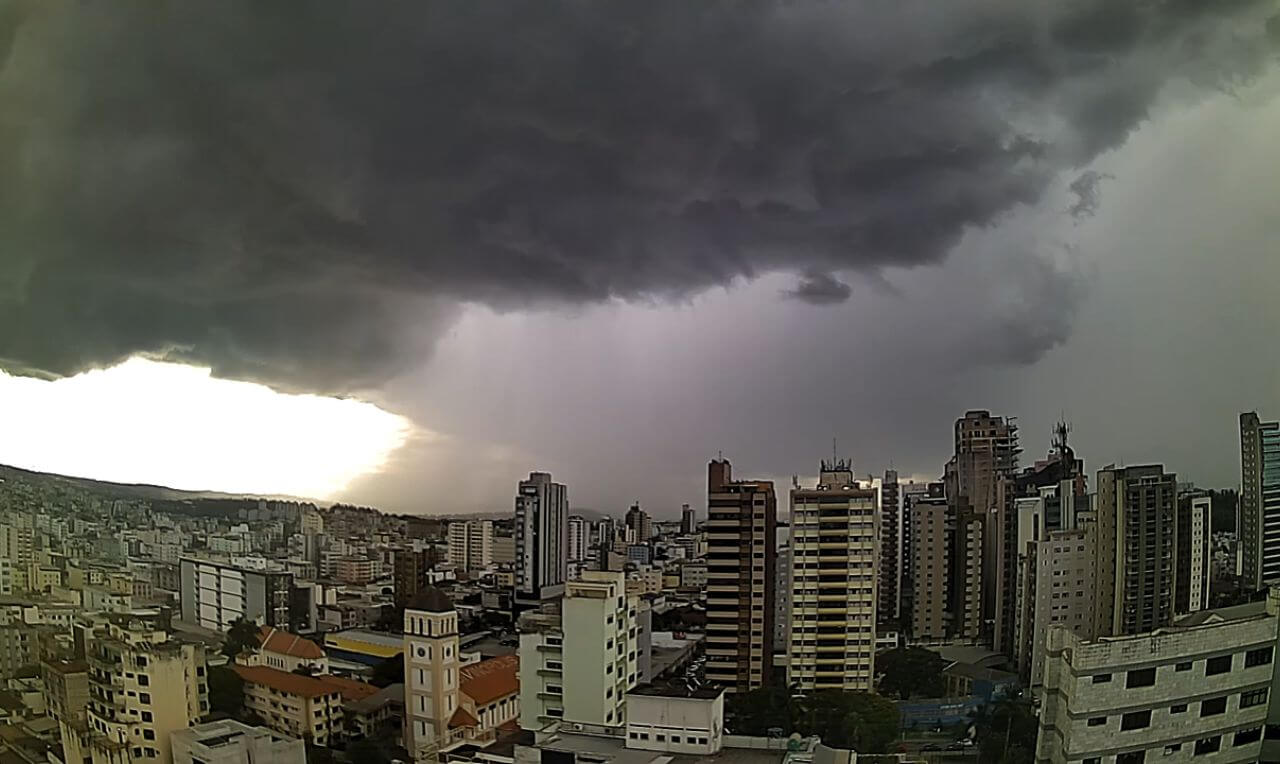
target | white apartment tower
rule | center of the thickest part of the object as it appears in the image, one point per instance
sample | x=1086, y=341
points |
x=577, y=538
x=542, y=539
x=833, y=582
x=470, y=544
x=577, y=664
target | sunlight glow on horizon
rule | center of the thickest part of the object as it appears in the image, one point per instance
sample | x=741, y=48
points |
x=174, y=425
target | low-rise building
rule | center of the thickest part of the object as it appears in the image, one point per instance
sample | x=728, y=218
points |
x=230, y=742
x=675, y=719
x=1197, y=687
x=288, y=652
x=296, y=705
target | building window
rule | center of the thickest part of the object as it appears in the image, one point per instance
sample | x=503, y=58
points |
x=1181, y=708
x=1213, y=706
x=1101, y=678
x=1132, y=757
x=1245, y=737
x=146, y=716
x=1219, y=665
x=1169, y=749
x=1253, y=698
x=148, y=735
x=144, y=697
x=1141, y=678
x=1259, y=657
x=1183, y=666
x=1135, y=720
x=1208, y=745
x=1097, y=721
x=660, y=738
x=633, y=735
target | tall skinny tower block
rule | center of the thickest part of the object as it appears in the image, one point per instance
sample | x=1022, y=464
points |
x=430, y=672
x=833, y=582
x=889, y=549
x=1134, y=568
x=1259, y=509
x=542, y=539
x=742, y=518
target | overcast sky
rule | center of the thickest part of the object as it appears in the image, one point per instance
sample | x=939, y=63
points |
x=610, y=240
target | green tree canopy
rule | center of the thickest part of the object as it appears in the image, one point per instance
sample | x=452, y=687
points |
x=1006, y=732
x=862, y=721
x=226, y=691
x=241, y=635
x=911, y=672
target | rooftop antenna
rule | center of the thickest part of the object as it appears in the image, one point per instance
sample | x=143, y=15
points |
x=833, y=453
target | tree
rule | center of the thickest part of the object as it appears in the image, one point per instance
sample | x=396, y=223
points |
x=911, y=672
x=226, y=691
x=241, y=635
x=861, y=721
x=757, y=711
x=388, y=672
x=1006, y=732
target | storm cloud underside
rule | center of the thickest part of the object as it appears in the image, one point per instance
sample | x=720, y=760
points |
x=305, y=195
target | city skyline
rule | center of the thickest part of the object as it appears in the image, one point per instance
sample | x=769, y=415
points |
x=1076, y=223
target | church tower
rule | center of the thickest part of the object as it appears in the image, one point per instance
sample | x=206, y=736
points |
x=430, y=671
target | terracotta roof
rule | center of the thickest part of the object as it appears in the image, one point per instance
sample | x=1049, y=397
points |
x=351, y=689
x=487, y=681
x=285, y=681
x=277, y=641
x=462, y=718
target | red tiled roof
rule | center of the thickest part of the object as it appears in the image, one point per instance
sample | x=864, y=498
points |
x=277, y=641
x=487, y=681
x=351, y=689
x=285, y=681
x=462, y=718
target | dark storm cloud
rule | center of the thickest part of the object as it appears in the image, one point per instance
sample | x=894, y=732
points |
x=820, y=289
x=301, y=194
x=1087, y=192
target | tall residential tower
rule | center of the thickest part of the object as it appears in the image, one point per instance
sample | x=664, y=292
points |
x=741, y=557
x=833, y=582
x=542, y=539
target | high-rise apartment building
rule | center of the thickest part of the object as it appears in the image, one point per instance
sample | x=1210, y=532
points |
x=470, y=544
x=932, y=529
x=412, y=569
x=214, y=594
x=1057, y=589
x=542, y=539
x=1193, y=557
x=688, y=519
x=741, y=556
x=907, y=493
x=889, y=550
x=1134, y=567
x=639, y=525
x=143, y=686
x=579, y=657
x=834, y=542
x=985, y=594
x=1259, y=507
x=577, y=538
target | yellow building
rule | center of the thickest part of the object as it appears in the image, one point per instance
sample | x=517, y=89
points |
x=301, y=706
x=143, y=685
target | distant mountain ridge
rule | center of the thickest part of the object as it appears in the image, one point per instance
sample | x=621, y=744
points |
x=140, y=490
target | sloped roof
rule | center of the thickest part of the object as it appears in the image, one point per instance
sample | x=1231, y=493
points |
x=277, y=641
x=431, y=600
x=351, y=689
x=487, y=681
x=462, y=718
x=285, y=681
